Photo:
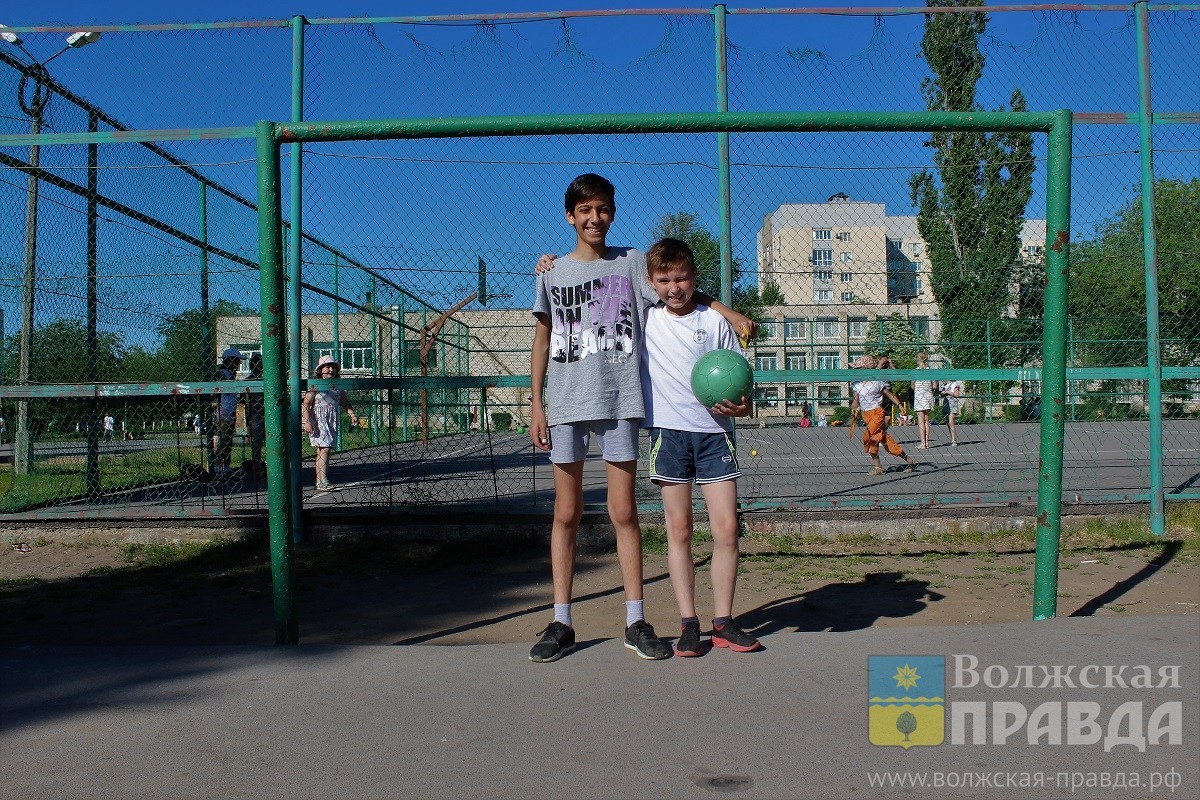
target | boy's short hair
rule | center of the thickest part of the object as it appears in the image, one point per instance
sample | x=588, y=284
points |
x=588, y=186
x=668, y=253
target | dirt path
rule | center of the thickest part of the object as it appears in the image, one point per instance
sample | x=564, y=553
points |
x=479, y=592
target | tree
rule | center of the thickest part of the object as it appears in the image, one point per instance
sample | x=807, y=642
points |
x=58, y=353
x=971, y=215
x=183, y=355
x=906, y=723
x=1107, y=300
x=892, y=335
x=707, y=251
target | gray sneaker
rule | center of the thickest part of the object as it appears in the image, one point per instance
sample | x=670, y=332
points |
x=641, y=639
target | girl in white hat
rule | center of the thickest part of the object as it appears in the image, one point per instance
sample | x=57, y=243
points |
x=319, y=413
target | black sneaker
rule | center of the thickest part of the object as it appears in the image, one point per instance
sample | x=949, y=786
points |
x=688, y=644
x=557, y=640
x=641, y=639
x=735, y=639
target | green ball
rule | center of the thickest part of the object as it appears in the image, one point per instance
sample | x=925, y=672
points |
x=521, y=429
x=722, y=375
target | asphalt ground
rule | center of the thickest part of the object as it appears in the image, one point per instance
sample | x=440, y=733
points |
x=482, y=721
x=814, y=468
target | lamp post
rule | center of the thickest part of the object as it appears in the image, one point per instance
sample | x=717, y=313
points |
x=34, y=105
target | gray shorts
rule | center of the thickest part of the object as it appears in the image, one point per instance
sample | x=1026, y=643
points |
x=618, y=440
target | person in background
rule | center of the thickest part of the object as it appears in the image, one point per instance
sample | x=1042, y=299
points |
x=319, y=414
x=952, y=392
x=225, y=416
x=256, y=423
x=923, y=401
x=868, y=400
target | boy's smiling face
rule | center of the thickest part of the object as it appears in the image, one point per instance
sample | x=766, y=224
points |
x=675, y=286
x=591, y=219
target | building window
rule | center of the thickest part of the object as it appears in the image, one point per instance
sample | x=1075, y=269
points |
x=858, y=328
x=795, y=396
x=765, y=362
x=822, y=258
x=822, y=275
x=354, y=355
x=916, y=248
x=794, y=329
x=847, y=277
x=766, y=396
x=1034, y=250
x=846, y=257
x=826, y=329
x=767, y=330
x=822, y=234
x=829, y=361
x=829, y=394
x=843, y=236
x=823, y=296
x=796, y=361
x=847, y=297
x=920, y=327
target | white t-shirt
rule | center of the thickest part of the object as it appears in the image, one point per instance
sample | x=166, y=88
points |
x=672, y=344
x=108, y=423
x=870, y=394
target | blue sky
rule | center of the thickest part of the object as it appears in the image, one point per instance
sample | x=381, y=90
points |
x=500, y=199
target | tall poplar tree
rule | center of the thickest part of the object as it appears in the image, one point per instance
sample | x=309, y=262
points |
x=971, y=213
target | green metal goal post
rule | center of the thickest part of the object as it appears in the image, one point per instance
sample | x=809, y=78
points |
x=283, y=437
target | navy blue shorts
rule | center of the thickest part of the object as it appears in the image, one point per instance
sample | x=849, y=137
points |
x=691, y=457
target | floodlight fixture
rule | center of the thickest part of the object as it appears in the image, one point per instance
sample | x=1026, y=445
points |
x=82, y=38
x=7, y=35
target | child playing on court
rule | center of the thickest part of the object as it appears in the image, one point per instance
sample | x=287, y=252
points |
x=319, y=413
x=690, y=443
x=923, y=401
x=586, y=361
x=868, y=400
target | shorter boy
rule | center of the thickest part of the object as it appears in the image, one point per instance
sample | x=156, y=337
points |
x=690, y=443
x=868, y=399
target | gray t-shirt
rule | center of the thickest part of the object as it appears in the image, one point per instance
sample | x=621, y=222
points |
x=596, y=311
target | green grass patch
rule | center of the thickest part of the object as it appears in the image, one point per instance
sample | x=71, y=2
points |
x=60, y=479
x=24, y=580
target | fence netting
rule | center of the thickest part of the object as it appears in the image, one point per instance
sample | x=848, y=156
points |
x=137, y=267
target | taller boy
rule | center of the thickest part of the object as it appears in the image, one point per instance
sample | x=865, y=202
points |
x=586, y=357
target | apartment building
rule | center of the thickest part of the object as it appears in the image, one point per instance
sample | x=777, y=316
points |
x=841, y=266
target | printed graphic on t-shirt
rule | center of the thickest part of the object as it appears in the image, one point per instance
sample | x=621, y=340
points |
x=594, y=318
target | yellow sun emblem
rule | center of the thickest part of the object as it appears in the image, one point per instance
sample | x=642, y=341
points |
x=906, y=676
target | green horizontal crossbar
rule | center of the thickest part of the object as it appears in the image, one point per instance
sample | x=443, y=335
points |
x=113, y=137
x=694, y=122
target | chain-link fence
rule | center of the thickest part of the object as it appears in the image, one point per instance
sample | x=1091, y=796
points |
x=128, y=264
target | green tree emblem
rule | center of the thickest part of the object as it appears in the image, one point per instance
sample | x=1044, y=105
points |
x=906, y=723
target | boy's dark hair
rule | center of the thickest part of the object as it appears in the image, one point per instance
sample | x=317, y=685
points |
x=588, y=186
x=668, y=253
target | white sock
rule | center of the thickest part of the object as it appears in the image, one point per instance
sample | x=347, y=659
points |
x=562, y=613
x=633, y=611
